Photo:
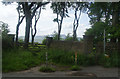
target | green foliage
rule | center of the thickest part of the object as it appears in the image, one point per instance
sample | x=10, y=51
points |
x=98, y=10
x=44, y=41
x=114, y=32
x=75, y=68
x=18, y=59
x=68, y=37
x=58, y=7
x=97, y=31
x=55, y=35
x=21, y=40
x=60, y=56
x=46, y=69
x=63, y=57
x=111, y=61
x=86, y=59
x=6, y=40
x=5, y=30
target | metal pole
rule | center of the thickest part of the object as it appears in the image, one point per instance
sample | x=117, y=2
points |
x=104, y=41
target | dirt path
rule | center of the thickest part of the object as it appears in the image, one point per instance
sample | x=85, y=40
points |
x=96, y=71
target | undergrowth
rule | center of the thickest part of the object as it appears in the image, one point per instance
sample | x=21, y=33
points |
x=18, y=59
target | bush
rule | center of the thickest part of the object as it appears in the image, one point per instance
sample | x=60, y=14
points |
x=111, y=61
x=68, y=37
x=46, y=69
x=75, y=68
x=21, y=40
x=44, y=41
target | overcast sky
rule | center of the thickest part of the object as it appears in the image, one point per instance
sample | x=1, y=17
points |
x=45, y=25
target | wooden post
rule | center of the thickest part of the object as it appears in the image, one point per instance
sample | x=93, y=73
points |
x=75, y=58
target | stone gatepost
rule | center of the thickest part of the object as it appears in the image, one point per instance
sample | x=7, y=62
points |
x=11, y=37
x=48, y=41
x=88, y=43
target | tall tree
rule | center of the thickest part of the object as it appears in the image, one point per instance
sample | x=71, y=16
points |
x=115, y=19
x=61, y=10
x=107, y=12
x=78, y=8
x=20, y=19
x=37, y=16
x=29, y=9
x=95, y=12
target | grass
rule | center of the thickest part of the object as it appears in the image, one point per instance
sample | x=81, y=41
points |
x=21, y=59
x=18, y=59
x=75, y=68
x=61, y=56
x=46, y=69
x=111, y=61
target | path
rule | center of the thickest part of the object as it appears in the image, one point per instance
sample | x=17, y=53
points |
x=89, y=71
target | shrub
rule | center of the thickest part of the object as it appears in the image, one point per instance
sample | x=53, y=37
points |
x=21, y=40
x=111, y=61
x=46, y=69
x=75, y=68
x=44, y=41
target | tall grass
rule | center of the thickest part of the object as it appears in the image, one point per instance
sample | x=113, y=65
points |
x=18, y=59
x=68, y=58
x=112, y=61
x=64, y=57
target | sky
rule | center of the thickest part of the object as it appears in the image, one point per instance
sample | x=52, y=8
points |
x=45, y=25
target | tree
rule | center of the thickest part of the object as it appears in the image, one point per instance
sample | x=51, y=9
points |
x=37, y=16
x=115, y=19
x=29, y=10
x=102, y=12
x=78, y=8
x=6, y=41
x=95, y=11
x=20, y=19
x=4, y=29
x=97, y=31
x=61, y=10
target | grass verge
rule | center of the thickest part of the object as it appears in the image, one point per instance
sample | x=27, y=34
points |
x=75, y=68
x=18, y=59
x=46, y=69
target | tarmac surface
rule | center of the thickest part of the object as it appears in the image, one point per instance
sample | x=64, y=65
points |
x=93, y=71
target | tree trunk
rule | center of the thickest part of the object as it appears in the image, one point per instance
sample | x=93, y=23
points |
x=32, y=39
x=27, y=31
x=74, y=35
x=59, y=28
x=17, y=29
x=75, y=25
x=115, y=19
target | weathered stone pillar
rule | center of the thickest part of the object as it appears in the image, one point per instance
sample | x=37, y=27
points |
x=11, y=37
x=88, y=43
x=49, y=40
